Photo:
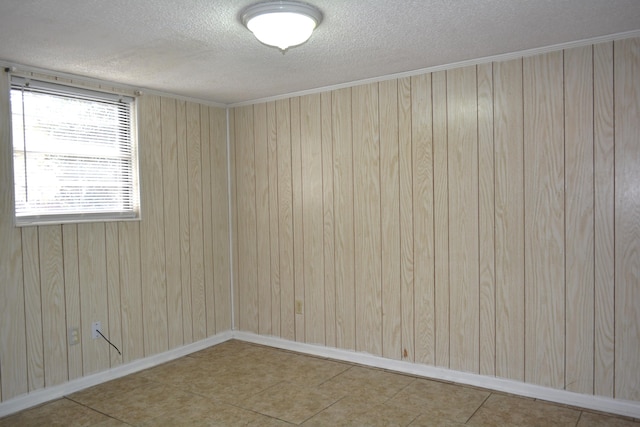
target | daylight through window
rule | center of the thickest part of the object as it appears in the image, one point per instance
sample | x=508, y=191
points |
x=74, y=154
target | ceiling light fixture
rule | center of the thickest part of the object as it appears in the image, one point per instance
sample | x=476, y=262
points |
x=282, y=24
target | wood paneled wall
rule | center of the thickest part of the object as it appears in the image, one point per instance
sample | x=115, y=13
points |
x=155, y=284
x=483, y=219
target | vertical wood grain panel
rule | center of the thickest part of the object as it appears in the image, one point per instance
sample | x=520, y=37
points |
x=544, y=220
x=185, y=231
x=298, y=215
x=341, y=121
x=262, y=217
x=423, y=273
x=171, y=198
x=579, y=221
x=246, y=190
x=53, y=307
x=312, y=217
x=233, y=177
x=93, y=295
x=405, y=150
x=207, y=224
x=627, y=218
x=366, y=173
x=154, y=292
x=33, y=307
x=113, y=291
x=274, y=252
x=328, y=221
x=390, y=220
x=130, y=291
x=486, y=215
x=220, y=208
x=604, y=202
x=462, y=128
x=72, y=296
x=196, y=243
x=13, y=357
x=285, y=220
x=441, y=217
x=509, y=218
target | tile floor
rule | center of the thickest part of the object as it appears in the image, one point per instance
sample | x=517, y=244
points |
x=237, y=383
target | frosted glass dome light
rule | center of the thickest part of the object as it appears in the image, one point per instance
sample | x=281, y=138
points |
x=282, y=24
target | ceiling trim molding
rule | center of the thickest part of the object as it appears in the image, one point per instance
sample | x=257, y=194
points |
x=78, y=79
x=477, y=61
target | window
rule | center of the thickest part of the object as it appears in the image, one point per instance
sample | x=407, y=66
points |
x=74, y=154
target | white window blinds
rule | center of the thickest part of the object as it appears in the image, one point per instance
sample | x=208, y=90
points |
x=74, y=154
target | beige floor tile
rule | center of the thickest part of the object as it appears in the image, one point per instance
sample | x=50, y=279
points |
x=361, y=411
x=229, y=383
x=258, y=361
x=305, y=370
x=382, y=415
x=214, y=414
x=340, y=413
x=230, y=348
x=217, y=361
x=289, y=402
x=62, y=412
x=150, y=401
x=110, y=422
x=176, y=372
x=232, y=353
x=426, y=420
x=234, y=416
x=257, y=352
x=270, y=362
x=265, y=421
x=501, y=410
x=108, y=390
x=589, y=419
x=233, y=386
x=441, y=401
x=376, y=384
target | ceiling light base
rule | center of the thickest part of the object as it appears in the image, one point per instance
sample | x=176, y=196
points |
x=282, y=24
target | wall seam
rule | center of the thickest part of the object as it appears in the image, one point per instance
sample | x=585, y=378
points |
x=230, y=223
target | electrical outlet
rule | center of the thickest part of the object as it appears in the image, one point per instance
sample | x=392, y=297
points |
x=95, y=327
x=299, y=306
x=73, y=336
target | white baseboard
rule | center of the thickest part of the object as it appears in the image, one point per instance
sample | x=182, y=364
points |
x=595, y=403
x=38, y=397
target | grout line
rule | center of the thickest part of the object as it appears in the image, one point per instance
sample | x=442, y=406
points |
x=478, y=408
x=93, y=409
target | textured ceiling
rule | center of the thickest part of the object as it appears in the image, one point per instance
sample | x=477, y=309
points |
x=199, y=48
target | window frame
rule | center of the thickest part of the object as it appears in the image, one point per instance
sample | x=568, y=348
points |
x=70, y=90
